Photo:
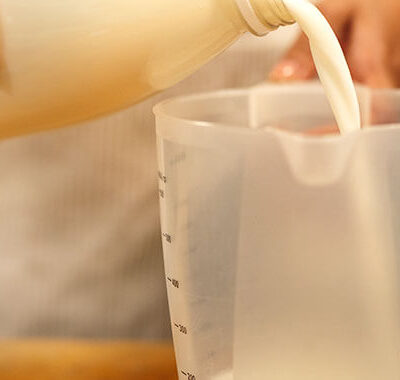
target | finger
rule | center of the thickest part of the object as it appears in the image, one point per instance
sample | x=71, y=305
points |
x=297, y=64
x=323, y=130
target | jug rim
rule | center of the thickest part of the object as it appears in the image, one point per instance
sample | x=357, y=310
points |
x=160, y=110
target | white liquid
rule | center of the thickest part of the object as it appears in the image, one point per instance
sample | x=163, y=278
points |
x=330, y=62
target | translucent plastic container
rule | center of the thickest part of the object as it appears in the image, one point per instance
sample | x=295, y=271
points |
x=281, y=249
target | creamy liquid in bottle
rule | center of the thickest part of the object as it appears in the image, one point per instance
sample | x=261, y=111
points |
x=62, y=62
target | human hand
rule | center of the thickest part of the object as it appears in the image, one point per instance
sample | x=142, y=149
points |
x=368, y=31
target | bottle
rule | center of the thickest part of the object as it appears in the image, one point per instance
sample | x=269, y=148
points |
x=67, y=61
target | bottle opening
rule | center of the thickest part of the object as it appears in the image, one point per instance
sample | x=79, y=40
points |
x=264, y=16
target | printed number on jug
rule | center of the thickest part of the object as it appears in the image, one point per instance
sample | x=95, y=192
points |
x=189, y=375
x=162, y=177
x=167, y=237
x=181, y=328
x=174, y=282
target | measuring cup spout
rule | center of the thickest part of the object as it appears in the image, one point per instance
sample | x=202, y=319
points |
x=317, y=161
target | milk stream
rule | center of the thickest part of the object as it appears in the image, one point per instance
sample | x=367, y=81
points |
x=330, y=62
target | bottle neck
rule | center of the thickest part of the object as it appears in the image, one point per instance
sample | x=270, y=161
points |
x=264, y=16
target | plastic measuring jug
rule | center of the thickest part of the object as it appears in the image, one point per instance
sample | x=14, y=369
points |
x=281, y=249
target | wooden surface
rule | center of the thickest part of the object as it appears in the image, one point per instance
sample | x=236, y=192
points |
x=60, y=360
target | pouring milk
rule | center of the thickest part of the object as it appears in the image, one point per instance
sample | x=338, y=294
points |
x=328, y=56
x=62, y=62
